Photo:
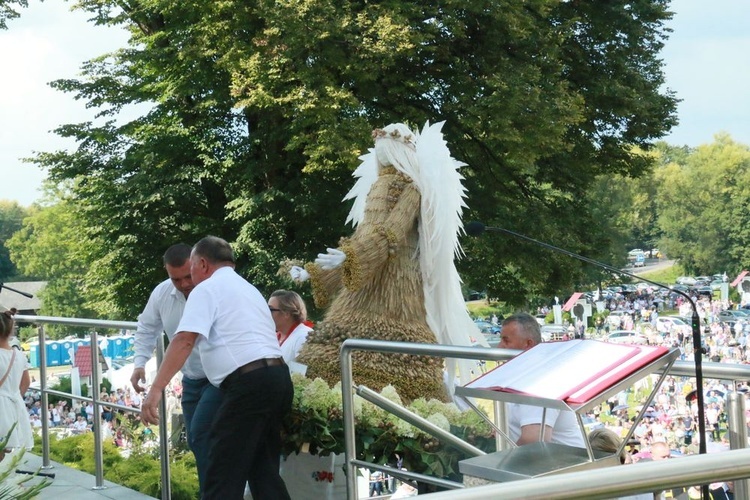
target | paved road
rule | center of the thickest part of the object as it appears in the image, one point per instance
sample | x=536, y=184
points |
x=651, y=266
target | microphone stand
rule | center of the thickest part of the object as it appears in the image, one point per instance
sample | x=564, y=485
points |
x=476, y=228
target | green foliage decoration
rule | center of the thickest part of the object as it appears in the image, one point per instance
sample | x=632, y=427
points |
x=316, y=423
x=141, y=471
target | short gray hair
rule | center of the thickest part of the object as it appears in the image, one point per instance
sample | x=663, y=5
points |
x=214, y=250
x=528, y=325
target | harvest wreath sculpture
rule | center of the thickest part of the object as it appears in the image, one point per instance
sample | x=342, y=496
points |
x=393, y=279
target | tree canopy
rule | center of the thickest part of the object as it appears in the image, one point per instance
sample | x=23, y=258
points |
x=704, y=207
x=257, y=112
x=11, y=220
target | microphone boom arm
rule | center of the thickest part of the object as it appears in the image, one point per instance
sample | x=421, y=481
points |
x=2, y=285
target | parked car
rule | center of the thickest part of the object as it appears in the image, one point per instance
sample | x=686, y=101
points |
x=665, y=324
x=685, y=280
x=627, y=337
x=487, y=328
x=732, y=315
x=716, y=284
x=553, y=332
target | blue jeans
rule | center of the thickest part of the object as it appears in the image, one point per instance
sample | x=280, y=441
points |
x=200, y=401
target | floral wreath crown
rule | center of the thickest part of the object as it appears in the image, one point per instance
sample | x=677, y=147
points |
x=408, y=139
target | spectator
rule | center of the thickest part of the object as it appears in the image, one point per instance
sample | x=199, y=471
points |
x=14, y=381
x=289, y=314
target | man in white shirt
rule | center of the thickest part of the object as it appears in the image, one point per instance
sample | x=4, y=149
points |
x=162, y=313
x=229, y=321
x=521, y=331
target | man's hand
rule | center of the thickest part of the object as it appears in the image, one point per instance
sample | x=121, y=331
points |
x=298, y=274
x=331, y=260
x=150, y=407
x=139, y=375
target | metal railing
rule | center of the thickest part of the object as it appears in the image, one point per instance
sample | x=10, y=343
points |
x=598, y=483
x=40, y=321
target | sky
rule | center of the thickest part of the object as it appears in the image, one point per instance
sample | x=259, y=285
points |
x=707, y=64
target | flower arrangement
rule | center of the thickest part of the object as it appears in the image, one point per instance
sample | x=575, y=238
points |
x=316, y=424
x=13, y=485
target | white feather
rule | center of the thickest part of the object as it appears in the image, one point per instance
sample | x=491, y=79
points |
x=366, y=174
x=443, y=202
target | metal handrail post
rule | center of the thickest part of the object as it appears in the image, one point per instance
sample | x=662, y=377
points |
x=501, y=421
x=166, y=483
x=96, y=419
x=347, y=384
x=43, y=399
x=736, y=407
x=347, y=403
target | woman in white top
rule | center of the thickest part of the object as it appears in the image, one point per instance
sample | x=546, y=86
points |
x=290, y=316
x=14, y=381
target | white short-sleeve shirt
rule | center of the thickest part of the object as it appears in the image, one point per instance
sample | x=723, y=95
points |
x=565, y=429
x=293, y=343
x=233, y=322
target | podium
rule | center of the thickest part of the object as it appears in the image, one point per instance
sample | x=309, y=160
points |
x=600, y=379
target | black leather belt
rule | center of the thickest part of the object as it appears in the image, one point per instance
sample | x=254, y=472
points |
x=251, y=366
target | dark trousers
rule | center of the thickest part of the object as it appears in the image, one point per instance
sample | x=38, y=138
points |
x=246, y=436
x=200, y=402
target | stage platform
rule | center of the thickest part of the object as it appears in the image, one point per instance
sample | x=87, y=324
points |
x=72, y=484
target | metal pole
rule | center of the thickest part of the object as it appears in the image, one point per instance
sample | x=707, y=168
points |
x=347, y=402
x=166, y=483
x=97, y=419
x=736, y=406
x=501, y=421
x=43, y=386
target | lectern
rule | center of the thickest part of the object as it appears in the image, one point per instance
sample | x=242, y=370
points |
x=574, y=375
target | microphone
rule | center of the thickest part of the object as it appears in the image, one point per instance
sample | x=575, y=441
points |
x=476, y=228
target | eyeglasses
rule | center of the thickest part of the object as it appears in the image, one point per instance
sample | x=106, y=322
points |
x=273, y=309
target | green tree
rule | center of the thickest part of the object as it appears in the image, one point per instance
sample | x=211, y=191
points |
x=9, y=11
x=704, y=207
x=258, y=112
x=52, y=246
x=11, y=219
